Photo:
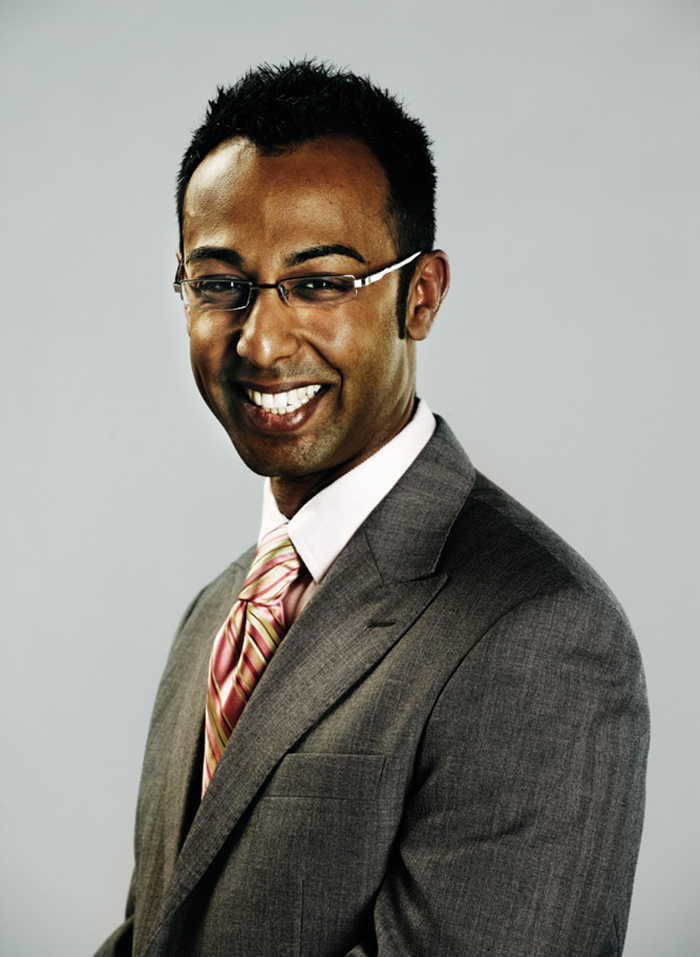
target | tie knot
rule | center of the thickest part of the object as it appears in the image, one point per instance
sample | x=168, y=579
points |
x=275, y=565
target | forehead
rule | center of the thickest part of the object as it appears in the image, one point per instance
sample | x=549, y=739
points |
x=331, y=189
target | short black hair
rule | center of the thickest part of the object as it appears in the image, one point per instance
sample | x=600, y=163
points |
x=281, y=107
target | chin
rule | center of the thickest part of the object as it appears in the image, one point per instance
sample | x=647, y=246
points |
x=272, y=463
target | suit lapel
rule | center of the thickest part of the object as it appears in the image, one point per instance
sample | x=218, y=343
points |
x=187, y=755
x=379, y=585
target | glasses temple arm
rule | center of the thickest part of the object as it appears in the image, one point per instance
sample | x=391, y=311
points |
x=375, y=277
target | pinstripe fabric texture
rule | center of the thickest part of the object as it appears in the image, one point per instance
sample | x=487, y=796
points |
x=246, y=642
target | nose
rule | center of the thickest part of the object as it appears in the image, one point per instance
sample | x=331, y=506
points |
x=267, y=334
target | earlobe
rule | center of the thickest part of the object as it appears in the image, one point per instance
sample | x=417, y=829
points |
x=429, y=288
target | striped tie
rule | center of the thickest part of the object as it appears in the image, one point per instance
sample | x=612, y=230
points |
x=247, y=641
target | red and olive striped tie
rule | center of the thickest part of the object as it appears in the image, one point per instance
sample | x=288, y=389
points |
x=247, y=641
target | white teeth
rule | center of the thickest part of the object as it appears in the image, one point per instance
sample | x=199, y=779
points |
x=282, y=403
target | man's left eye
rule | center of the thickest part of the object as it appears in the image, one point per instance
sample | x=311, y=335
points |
x=321, y=289
x=317, y=282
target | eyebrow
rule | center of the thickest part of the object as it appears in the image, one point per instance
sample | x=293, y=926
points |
x=234, y=258
x=318, y=252
x=229, y=256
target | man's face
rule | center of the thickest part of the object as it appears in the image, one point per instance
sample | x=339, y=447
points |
x=319, y=209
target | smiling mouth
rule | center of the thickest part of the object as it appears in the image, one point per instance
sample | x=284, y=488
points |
x=282, y=403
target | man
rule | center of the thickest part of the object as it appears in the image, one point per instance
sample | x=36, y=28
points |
x=417, y=724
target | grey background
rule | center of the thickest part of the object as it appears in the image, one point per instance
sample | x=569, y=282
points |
x=565, y=357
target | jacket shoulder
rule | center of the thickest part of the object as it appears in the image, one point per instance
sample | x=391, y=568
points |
x=510, y=547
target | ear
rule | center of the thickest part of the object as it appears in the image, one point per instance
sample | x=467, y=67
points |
x=428, y=289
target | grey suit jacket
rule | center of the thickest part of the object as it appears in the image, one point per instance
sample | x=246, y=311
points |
x=445, y=756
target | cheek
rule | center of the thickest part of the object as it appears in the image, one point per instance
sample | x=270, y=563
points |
x=207, y=344
x=202, y=330
x=365, y=342
x=207, y=357
x=384, y=353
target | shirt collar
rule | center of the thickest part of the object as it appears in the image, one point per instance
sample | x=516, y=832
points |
x=322, y=527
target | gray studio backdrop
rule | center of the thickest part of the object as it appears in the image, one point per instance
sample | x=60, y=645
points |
x=567, y=141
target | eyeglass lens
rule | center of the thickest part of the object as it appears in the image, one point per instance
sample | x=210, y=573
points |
x=225, y=294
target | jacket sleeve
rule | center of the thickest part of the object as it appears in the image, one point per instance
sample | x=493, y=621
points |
x=521, y=834
x=120, y=942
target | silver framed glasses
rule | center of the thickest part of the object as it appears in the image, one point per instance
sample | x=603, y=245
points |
x=229, y=293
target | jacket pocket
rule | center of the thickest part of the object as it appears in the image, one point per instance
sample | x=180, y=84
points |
x=340, y=777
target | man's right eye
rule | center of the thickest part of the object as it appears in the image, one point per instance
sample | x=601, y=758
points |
x=220, y=286
x=216, y=292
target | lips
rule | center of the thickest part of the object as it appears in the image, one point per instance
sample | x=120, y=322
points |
x=282, y=403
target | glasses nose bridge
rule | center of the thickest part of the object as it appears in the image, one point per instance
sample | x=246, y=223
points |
x=279, y=286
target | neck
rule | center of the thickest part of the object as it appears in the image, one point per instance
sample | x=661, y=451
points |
x=291, y=493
